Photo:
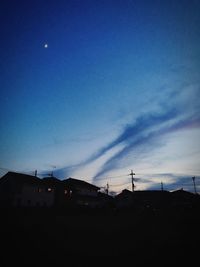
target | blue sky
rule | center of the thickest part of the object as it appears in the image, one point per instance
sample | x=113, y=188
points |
x=116, y=89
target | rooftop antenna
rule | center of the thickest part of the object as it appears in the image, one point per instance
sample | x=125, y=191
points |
x=50, y=173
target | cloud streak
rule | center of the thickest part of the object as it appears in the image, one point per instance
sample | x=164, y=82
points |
x=139, y=127
x=142, y=136
x=132, y=135
x=145, y=133
x=148, y=137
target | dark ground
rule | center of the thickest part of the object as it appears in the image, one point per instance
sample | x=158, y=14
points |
x=97, y=238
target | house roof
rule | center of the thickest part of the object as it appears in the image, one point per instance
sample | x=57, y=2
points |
x=20, y=178
x=125, y=193
x=180, y=193
x=51, y=181
x=80, y=183
x=151, y=192
x=104, y=196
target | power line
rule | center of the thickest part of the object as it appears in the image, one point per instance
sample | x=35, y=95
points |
x=6, y=169
x=106, y=178
x=116, y=185
x=117, y=176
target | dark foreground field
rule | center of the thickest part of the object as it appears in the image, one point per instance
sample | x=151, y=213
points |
x=99, y=238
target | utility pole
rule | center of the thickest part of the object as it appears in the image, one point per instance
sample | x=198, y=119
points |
x=107, y=188
x=35, y=173
x=193, y=178
x=132, y=180
x=161, y=186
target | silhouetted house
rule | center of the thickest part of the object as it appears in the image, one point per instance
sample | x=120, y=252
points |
x=143, y=199
x=124, y=199
x=155, y=199
x=22, y=190
x=54, y=186
x=81, y=193
x=184, y=199
x=105, y=200
x=62, y=191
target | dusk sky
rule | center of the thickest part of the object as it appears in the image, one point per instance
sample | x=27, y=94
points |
x=95, y=89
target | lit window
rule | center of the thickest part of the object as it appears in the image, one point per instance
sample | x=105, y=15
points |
x=65, y=191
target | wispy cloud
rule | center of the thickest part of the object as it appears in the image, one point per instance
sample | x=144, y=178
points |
x=132, y=135
x=179, y=112
x=149, y=136
x=141, y=126
x=139, y=138
x=145, y=134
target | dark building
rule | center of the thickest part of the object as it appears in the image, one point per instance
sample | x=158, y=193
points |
x=22, y=190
